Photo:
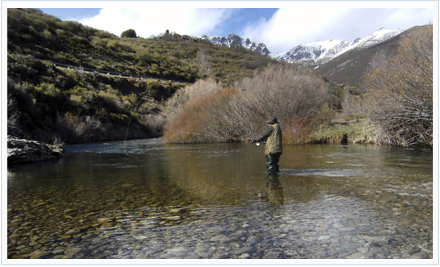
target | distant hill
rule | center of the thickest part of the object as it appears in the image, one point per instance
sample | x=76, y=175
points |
x=169, y=56
x=318, y=53
x=350, y=66
x=342, y=62
x=235, y=41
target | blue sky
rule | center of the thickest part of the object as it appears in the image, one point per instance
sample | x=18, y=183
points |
x=280, y=25
x=238, y=19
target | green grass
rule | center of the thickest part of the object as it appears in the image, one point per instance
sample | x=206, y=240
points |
x=361, y=131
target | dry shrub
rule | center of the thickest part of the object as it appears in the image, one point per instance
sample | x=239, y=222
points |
x=296, y=130
x=293, y=94
x=155, y=122
x=205, y=112
x=201, y=120
x=400, y=90
x=185, y=129
x=73, y=128
x=189, y=93
x=221, y=123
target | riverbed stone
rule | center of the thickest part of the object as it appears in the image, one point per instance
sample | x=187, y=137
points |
x=27, y=151
x=322, y=217
x=271, y=255
x=242, y=250
x=324, y=238
x=37, y=254
x=220, y=238
x=174, y=218
x=177, y=252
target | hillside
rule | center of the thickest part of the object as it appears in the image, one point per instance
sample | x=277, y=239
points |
x=50, y=103
x=317, y=53
x=344, y=62
x=169, y=56
x=350, y=66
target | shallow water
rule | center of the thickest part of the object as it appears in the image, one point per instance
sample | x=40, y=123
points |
x=142, y=199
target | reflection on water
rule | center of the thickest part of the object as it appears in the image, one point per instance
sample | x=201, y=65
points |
x=143, y=199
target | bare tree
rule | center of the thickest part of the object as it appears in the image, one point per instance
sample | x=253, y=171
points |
x=203, y=62
x=400, y=89
x=293, y=94
x=188, y=94
x=205, y=112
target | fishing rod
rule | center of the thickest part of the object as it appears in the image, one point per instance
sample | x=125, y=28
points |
x=141, y=97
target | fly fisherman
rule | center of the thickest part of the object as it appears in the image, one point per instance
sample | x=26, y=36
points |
x=274, y=144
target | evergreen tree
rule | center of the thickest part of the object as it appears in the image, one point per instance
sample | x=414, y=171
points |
x=130, y=33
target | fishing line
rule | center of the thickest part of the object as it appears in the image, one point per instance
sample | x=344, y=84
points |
x=141, y=97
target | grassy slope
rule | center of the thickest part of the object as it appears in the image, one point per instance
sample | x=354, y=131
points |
x=353, y=131
x=82, y=107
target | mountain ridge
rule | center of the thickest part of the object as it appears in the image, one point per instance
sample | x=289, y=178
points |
x=234, y=41
x=317, y=53
x=331, y=57
x=312, y=54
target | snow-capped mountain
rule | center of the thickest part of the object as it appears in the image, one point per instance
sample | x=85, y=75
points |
x=321, y=52
x=234, y=40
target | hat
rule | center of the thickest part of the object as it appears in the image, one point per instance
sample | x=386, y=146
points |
x=272, y=120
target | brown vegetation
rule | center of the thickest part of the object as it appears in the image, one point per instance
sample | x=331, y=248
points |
x=400, y=87
x=297, y=96
x=203, y=120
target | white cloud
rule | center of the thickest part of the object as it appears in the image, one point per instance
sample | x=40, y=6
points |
x=147, y=22
x=411, y=17
x=290, y=27
x=293, y=24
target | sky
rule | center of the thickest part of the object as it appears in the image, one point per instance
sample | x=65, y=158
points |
x=281, y=25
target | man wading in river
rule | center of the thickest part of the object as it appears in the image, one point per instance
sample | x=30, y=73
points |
x=274, y=144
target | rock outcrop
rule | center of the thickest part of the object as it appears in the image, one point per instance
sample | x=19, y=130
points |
x=235, y=41
x=27, y=151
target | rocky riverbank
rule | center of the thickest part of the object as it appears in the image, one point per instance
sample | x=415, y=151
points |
x=27, y=151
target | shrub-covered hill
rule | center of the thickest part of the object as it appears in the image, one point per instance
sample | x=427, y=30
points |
x=53, y=104
x=172, y=56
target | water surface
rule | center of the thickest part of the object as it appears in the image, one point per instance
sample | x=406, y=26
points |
x=142, y=199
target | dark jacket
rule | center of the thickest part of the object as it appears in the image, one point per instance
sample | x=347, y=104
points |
x=274, y=136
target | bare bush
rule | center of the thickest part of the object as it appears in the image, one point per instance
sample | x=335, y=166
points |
x=294, y=95
x=155, y=122
x=189, y=93
x=400, y=91
x=73, y=128
x=205, y=112
x=203, y=120
x=203, y=62
x=221, y=123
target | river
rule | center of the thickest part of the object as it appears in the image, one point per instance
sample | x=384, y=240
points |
x=143, y=199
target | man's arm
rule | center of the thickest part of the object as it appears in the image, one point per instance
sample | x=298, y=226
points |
x=264, y=135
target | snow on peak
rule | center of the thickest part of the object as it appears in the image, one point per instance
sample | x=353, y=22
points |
x=234, y=40
x=324, y=51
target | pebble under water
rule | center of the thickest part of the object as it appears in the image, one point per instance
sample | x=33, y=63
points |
x=142, y=199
